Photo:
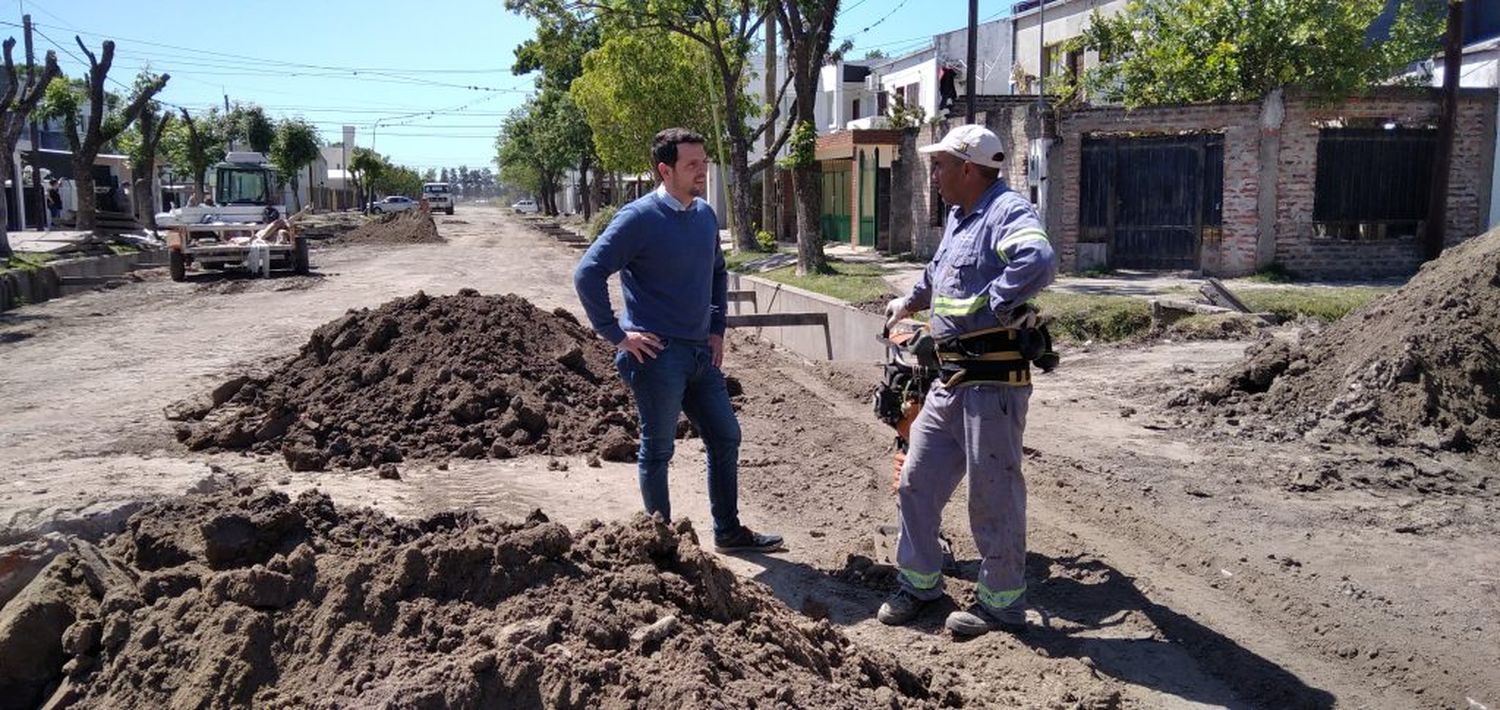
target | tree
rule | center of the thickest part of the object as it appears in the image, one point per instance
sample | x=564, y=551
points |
x=398, y=180
x=875, y=54
x=366, y=166
x=558, y=52
x=248, y=122
x=634, y=85
x=533, y=149
x=807, y=26
x=192, y=146
x=727, y=31
x=21, y=97
x=142, y=143
x=1195, y=51
x=294, y=147
x=443, y=175
x=429, y=175
x=104, y=123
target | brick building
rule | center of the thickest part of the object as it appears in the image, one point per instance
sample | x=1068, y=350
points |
x=1324, y=190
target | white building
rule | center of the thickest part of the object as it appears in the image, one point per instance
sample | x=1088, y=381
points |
x=1039, y=33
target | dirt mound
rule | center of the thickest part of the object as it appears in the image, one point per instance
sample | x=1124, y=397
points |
x=407, y=227
x=252, y=599
x=1419, y=367
x=468, y=375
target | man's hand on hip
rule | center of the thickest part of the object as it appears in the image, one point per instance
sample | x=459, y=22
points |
x=640, y=345
x=716, y=346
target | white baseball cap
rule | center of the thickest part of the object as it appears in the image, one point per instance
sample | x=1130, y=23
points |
x=973, y=143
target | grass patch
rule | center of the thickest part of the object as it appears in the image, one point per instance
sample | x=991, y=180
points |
x=1273, y=273
x=25, y=261
x=855, y=283
x=1083, y=317
x=120, y=249
x=1329, y=303
x=736, y=259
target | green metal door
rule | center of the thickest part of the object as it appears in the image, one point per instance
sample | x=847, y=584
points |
x=835, y=218
x=867, y=204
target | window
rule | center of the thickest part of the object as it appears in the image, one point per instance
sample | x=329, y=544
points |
x=913, y=94
x=882, y=100
x=1373, y=183
x=854, y=109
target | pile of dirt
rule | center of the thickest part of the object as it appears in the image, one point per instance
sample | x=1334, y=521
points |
x=467, y=376
x=406, y=227
x=326, y=225
x=1419, y=367
x=249, y=598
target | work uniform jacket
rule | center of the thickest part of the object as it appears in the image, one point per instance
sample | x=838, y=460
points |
x=992, y=259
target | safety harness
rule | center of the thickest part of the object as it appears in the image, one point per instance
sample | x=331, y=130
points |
x=996, y=356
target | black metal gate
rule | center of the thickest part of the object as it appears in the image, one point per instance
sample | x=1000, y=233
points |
x=1151, y=198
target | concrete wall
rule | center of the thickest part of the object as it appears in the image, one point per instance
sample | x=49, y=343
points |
x=19, y=288
x=851, y=332
x=1064, y=20
x=992, y=52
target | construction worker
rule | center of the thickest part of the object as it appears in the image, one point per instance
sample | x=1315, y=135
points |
x=670, y=341
x=993, y=258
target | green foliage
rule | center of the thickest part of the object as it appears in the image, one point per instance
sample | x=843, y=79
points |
x=634, y=85
x=601, y=220
x=802, y=147
x=192, y=145
x=62, y=98
x=294, y=147
x=539, y=140
x=249, y=123
x=765, y=240
x=1193, y=51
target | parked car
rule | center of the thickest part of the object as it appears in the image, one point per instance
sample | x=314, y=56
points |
x=394, y=203
x=525, y=207
x=439, y=196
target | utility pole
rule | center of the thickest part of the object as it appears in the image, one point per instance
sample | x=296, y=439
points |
x=973, y=58
x=768, y=192
x=1437, y=203
x=36, y=149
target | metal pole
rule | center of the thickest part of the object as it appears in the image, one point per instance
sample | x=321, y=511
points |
x=1437, y=203
x=973, y=54
x=36, y=148
x=768, y=201
x=1041, y=52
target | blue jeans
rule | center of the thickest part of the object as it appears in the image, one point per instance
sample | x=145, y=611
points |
x=682, y=379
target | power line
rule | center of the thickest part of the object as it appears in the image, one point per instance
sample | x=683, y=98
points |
x=876, y=23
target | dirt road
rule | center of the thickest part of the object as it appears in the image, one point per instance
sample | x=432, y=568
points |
x=1170, y=570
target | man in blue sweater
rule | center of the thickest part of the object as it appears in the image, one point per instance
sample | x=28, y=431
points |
x=670, y=340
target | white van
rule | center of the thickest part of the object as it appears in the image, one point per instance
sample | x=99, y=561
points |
x=439, y=196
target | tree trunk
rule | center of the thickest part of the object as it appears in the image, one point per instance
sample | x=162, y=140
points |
x=807, y=183
x=583, y=190
x=83, y=192
x=740, y=196
x=5, y=252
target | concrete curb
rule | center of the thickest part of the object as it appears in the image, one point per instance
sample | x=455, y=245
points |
x=851, y=332
x=19, y=287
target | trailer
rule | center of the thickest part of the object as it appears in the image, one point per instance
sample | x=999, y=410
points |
x=239, y=226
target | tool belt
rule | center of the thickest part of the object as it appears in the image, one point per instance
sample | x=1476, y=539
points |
x=996, y=356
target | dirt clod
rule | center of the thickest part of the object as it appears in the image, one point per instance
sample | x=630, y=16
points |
x=351, y=607
x=1419, y=367
x=430, y=377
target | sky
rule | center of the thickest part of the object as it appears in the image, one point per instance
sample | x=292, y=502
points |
x=425, y=83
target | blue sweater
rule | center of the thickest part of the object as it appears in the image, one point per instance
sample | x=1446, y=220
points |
x=671, y=272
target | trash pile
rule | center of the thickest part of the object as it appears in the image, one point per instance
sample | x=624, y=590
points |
x=250, y=598
x=465, y=376
x=1420, y=367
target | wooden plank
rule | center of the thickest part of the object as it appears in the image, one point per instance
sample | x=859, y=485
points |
x=90, y=280
x=742, y=297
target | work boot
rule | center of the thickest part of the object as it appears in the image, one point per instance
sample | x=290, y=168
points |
x=743, y=540
x=901, y=607
x=979, y=620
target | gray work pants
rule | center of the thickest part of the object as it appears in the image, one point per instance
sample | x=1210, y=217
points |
x=972, y=430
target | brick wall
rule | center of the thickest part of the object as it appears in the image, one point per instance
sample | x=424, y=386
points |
x=1297, y=245
x=1233, y=251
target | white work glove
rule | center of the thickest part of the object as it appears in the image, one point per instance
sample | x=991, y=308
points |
x=894, y=312
x=1024, y=316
